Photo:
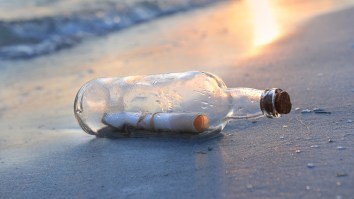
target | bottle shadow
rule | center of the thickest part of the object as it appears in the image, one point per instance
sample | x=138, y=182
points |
x=130, y=133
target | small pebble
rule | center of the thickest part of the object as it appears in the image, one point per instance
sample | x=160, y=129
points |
x=314, y=146
x=298, y=151
x=339, y=183
x=342, y=174
x=330, y=140
x=281, y=137
x=340, y=147
x=310, y=165
x=210, y=148
x=308, y=187
x=249, y=186
x=296, y=109
x=285, y=126
x=306, y=111
x=320, y=111
x=349, y=121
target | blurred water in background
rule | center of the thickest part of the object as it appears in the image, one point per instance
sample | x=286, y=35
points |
x=36, y=27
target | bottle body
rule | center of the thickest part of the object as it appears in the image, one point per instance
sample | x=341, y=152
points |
x=193, y=92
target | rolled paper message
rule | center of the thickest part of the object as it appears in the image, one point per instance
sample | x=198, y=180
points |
x=176, y=122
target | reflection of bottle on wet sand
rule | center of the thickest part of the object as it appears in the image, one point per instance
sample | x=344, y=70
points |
x=190, y=102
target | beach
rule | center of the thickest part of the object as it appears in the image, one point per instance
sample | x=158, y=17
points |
x=44, y=152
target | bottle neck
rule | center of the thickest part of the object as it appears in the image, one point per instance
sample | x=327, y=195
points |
x=244, y=103
x=248, y=103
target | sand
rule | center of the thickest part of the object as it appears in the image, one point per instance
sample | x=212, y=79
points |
x=44, y=153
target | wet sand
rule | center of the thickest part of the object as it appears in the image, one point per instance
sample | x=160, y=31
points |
x=44, y=153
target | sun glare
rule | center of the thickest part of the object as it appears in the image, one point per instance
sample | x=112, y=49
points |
x=265, y=26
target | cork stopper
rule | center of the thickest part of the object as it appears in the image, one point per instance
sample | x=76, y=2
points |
x=282, y=102
x=274, y=102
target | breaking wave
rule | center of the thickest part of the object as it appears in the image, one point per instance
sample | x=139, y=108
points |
x=27, y=38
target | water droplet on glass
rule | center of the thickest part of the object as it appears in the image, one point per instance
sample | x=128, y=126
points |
x=314, y=146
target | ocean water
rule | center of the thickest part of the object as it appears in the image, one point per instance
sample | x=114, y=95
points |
x=37, y=27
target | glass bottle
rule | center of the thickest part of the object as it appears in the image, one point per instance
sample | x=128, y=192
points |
x=191, y=101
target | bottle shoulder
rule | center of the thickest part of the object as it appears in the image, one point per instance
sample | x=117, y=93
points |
x=216, y=78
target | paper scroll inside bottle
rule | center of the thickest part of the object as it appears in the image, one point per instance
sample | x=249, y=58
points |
x=176, y=122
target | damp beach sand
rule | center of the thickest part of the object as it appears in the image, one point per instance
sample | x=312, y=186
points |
x=306, y=49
